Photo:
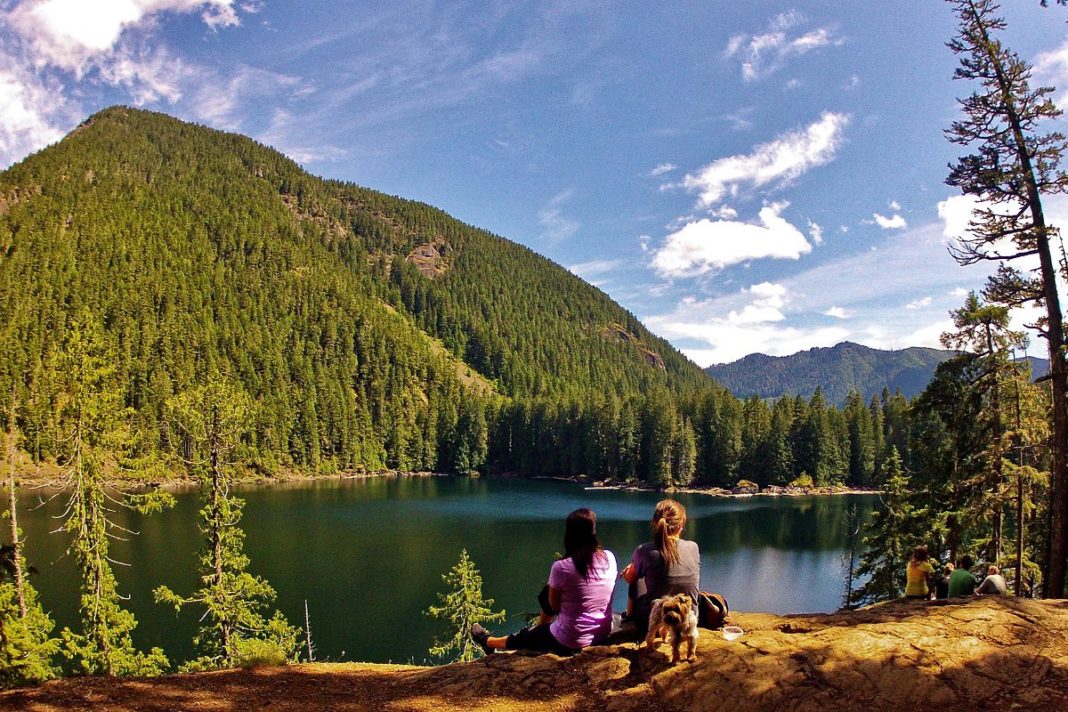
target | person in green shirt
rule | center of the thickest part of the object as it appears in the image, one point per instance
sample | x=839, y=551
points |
x=961, y=581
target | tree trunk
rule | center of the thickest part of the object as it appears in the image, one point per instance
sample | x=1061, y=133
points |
x=1019, y=530
x=16, y=543
x=1057, y=549
x=217, y=525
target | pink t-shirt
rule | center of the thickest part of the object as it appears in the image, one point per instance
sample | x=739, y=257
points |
x=585, y=605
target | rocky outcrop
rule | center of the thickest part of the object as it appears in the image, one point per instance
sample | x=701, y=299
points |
x=650, y=357
x=429, y=258
x=979, y=654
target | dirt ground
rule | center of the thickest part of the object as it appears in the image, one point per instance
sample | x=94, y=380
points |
x=980, y=654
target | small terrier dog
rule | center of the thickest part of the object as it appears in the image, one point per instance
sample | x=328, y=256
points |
x=677, y=616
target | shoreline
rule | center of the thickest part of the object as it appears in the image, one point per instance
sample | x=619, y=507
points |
x=49, y=477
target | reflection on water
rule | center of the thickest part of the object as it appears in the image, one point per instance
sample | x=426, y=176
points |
x=368, y=554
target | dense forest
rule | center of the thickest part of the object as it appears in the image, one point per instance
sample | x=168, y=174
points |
x=371, y=332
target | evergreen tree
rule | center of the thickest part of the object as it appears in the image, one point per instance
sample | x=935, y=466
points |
x=983, y=331
x=950, y=441
x=683, y=454
x=461, y=606
x=211, y=420
x=1014, y=168
x=861, y=441
x=26, y=645
x=95, y=432
x=892, y=534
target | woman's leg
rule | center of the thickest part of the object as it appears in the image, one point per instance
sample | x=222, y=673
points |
x=536, y=639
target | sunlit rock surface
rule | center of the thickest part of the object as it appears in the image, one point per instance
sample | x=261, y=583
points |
x=981, y=654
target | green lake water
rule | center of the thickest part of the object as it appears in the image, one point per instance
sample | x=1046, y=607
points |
x=368, y=555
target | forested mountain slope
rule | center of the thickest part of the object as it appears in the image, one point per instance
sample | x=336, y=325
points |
x=837, y=371
x=371, y=331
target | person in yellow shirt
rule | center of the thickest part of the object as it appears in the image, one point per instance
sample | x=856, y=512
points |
x=917, y=573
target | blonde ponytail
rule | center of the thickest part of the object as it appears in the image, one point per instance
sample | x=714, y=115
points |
x=668, y=520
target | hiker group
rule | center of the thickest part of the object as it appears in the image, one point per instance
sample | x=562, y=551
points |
x=925, y=581
x=663, y=579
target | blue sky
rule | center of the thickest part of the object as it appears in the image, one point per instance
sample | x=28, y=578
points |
x=757, y=176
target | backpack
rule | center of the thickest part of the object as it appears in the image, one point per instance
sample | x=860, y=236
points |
x=712, y=610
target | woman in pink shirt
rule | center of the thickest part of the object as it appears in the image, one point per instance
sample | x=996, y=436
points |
x=576, y=604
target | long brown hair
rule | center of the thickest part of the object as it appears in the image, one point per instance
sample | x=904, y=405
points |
x=580, y=540
x=669, y=518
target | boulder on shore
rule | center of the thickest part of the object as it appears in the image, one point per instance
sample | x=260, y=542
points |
x=988, y=653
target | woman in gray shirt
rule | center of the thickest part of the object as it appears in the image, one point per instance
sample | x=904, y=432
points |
x=666, y=566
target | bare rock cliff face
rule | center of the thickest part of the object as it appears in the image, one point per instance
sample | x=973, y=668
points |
x=980, y=654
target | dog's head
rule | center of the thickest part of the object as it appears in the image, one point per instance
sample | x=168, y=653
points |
x=676, y=609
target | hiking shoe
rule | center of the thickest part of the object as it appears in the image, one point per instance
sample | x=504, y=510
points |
x=481, y=637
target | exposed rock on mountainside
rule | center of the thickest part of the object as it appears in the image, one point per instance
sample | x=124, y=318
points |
x=429, y=258
x=616, y=331
x=980, y=654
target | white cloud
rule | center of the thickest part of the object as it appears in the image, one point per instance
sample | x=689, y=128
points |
x=766, y=307
x=556, y=225
x=895, y=206
x=731, y=343
x=929, y=335
x=705, y=245
x=71, y=34
x=777, y=162
x=32, y=112
x=956, y=213
x=593, y=269
x=865, y=294
x=755, y=325
x=919, y=303
x=643, y=241
x=1051, y=68
x=895, y=222
x=53, y=47
x=764, y=54
x=815, y=232
x=661, y=169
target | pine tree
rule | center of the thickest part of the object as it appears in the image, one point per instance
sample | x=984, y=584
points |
x=211, y=420
x=983, y=331
x=26, y=645
x=892, y=533
x=1014, y=168
x=461, y=606
x=95, y=431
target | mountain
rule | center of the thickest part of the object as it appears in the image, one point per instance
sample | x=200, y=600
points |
x=837, y=370
x=371, y=330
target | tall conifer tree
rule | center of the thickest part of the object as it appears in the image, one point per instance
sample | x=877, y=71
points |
x=94, y=425
x=211, y=420
x=1014, y=167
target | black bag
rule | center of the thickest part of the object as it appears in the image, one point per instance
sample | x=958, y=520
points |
x=712, y=610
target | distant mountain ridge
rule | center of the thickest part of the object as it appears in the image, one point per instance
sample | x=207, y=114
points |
x=837, y=370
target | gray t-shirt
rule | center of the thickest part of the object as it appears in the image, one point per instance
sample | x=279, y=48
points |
x=684, y=576
x=993, y=584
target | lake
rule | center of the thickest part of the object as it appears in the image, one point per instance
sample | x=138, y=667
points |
x=368, y=554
